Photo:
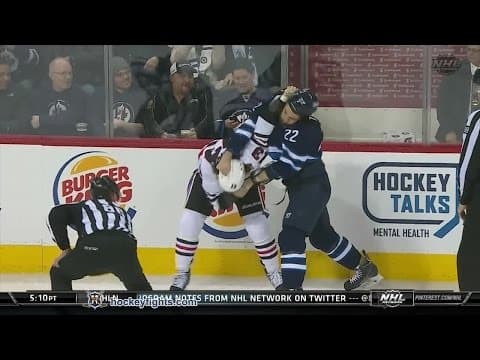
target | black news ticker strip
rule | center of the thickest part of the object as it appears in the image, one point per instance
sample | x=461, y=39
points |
x=159, y=299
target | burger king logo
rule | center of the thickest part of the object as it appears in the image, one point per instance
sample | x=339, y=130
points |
x=226, y=224
x=72, y=182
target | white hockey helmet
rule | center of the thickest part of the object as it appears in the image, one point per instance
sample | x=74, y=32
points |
x=235, y=178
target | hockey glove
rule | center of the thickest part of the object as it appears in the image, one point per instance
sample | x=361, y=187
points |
x=288, y=93
x=247, y=185
x=260, y=177
x=223, y=201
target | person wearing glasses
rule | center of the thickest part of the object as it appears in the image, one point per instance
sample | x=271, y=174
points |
x=60, y=107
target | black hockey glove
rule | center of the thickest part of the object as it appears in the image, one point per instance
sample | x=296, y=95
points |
x=222, y=202
x=225, y=200
x=260, y=176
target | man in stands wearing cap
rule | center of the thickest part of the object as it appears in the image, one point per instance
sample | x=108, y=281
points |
x=127, y=100
x=206, y=60
x=182, y=109
x=294, y=143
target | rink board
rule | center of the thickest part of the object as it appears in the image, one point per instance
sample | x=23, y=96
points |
x=400, y=207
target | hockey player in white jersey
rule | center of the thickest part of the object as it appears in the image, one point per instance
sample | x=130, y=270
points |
x=205, y=194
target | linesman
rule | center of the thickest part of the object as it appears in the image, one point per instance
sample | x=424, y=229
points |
x=105, y=242
x=468, y=264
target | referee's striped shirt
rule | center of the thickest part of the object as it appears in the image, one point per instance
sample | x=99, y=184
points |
x=469, y=166
x=87, y=217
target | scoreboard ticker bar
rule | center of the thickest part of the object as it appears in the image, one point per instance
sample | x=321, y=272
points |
x=162, y=299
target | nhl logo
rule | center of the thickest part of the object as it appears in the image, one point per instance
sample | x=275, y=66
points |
x=446, y=64
x=95, y=299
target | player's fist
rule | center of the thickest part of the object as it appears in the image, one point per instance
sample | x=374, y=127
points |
x=224, y=164
x=288, y=93
x=260, y=177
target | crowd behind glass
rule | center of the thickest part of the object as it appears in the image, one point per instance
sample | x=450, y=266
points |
x=367, y=92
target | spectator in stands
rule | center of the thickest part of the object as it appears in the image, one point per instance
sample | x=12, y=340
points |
x=266, y=62
x=205, y=59
x=233, y=54
x=244, y=94
x=185, y=107
x=13, y=102
x=216, y=61
x=141, y=53
x=127, y=100
x=149, y=78
x=87, y=62
x=60, y=108
x=23, y=61
x=458, y=96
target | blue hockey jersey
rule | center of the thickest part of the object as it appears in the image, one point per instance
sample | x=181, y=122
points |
x=294, y=148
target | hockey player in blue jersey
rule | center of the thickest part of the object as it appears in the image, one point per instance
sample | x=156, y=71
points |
x=294, y=139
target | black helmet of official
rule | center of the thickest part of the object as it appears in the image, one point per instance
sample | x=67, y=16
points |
x=104, y=187
x=304, y=103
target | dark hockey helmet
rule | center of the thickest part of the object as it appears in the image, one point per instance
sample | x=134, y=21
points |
x=304, y=102
x=104, y=187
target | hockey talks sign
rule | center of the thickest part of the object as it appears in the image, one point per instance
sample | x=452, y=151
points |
x=412, y=193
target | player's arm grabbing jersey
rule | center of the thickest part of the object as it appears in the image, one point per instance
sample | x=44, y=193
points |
x=253, y=132
x=263, y=119
x=207, y=159
x=86, y=218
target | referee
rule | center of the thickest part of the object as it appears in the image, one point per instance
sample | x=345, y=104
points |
x=105, y=241
x=468, y=256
